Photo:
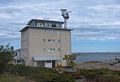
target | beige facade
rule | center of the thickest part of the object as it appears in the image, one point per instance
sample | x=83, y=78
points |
x=45, y=46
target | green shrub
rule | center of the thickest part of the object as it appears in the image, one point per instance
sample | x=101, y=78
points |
x=100, y=75
x=40, y=74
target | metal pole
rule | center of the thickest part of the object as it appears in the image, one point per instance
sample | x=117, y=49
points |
x=65, y=23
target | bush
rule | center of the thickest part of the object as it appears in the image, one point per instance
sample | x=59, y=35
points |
x=6, y=56
x=40, y=74
x=101, y=75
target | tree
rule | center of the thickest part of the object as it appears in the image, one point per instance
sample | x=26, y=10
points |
x=6, y=56
x=70, y=60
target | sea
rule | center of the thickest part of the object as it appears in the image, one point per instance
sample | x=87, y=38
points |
x=95, y=56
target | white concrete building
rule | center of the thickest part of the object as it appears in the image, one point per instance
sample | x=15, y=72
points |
x=17, y=59
x=44, y=43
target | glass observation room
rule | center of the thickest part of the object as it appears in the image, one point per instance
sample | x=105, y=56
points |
x=45, y=23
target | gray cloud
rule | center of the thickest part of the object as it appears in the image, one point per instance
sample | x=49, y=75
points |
x=97, y=33
x=90, y=19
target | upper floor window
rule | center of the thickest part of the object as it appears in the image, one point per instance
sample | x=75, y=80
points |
x=37, y=24
x=51, y=49
x=59, y=41
x=51, y=40
x=44, y=49
x=58, y=49
x=44, y=40
x=47, y=25
x=53, y=25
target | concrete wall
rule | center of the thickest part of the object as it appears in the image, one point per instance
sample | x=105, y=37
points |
x=37, y=44
x=25, y=46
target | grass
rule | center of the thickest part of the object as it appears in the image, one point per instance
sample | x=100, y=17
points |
x=6, y=78
x=12, y=78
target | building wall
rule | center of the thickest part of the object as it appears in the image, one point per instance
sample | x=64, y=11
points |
x=65, y=44
x=17, y=53
x=39, y=42
x=17, y=56
x=25, y=46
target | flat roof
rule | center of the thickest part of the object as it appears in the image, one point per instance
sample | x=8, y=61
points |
x=42, y=20
x=27, y=27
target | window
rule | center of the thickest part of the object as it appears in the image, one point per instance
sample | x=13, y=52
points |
x=35, y=24
x=58, y=49
x=40, y=63
x=53, y=25
x=59, y=41
x=38, y=24
x=44, y=49
x=51, y=40
x=44, y=40
x=48, y=61
x=51, y=49
x=59, y=25
x=46, y=24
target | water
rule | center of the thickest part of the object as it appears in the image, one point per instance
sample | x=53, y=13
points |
x=84, y=57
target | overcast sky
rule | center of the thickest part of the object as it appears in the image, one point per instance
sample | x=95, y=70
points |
x=96, y=23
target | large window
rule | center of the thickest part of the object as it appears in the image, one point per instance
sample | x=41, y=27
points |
x=53, y=25
x=51, y=49
x=47, y=25
x=38, y=24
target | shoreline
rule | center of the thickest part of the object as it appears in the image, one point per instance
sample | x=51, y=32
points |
x=98, y=65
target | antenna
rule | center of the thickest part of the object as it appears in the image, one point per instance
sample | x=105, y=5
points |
x=65, y=15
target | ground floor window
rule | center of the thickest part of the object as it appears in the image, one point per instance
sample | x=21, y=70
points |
x=40, y=63
x=48, y=63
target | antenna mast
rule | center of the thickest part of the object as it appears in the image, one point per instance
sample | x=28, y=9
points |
x=65, y=15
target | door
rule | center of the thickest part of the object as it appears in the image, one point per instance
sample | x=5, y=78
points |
x=48, y=64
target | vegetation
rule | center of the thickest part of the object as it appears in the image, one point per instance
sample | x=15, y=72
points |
x=13, y=78
x=70, y=60
x=21, y=73
x=39, y=74
x=6, y=56
x=100, y=75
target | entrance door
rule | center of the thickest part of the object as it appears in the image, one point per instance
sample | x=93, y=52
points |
x=53, y=63
x=48, y=64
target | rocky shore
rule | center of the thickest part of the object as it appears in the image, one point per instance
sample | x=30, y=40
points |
x=110, y=64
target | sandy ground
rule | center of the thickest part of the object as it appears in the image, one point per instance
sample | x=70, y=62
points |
x=96, y=64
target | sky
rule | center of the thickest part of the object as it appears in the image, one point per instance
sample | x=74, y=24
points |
x=96, y=23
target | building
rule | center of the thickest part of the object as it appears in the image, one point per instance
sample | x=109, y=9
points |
x=18, y=57
x=44, y=43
